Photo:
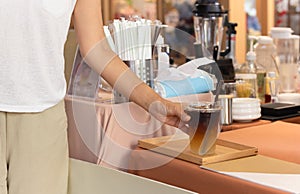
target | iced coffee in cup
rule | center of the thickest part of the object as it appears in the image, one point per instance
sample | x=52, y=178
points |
x=204, y=127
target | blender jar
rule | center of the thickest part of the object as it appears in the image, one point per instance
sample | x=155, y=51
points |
x=209, y=18
x=287, y=54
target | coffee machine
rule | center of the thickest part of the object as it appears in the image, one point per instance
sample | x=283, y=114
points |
x=210, y=19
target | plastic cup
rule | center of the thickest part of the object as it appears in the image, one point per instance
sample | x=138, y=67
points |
x=204, y=127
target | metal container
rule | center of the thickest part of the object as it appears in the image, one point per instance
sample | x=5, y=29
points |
x=226, y=112
x=144, y=70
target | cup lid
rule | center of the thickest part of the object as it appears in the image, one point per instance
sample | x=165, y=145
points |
x=208, y=8
x=297, y=37
x=281, y=32
x=204, y=107
x=245, y=76
x=271, y=74
x=264, y=40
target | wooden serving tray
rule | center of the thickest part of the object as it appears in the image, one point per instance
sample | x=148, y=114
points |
x=178, y=147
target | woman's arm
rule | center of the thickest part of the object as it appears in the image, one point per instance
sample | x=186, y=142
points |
x=88, y=24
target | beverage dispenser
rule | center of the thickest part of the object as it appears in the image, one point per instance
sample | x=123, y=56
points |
x=210, y=18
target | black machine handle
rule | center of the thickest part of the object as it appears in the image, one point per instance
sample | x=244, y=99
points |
x=230, y=30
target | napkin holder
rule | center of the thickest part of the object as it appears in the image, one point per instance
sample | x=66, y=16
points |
x=277, y=111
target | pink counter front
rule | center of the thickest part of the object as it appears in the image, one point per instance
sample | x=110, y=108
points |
x=106, y=134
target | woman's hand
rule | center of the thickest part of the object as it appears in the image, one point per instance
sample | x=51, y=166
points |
x=168, y=112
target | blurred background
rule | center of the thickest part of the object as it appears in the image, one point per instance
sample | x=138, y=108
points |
x=254, y=17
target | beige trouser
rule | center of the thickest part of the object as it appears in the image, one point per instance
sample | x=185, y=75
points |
x=34, y=152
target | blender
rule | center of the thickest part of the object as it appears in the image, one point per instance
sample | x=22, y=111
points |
x=210, y=18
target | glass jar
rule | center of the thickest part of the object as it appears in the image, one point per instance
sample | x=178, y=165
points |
x=246, y=85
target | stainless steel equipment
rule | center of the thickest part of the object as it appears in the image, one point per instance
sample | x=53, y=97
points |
x=210, y=18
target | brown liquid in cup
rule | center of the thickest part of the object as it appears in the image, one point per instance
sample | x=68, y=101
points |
x=202, y=121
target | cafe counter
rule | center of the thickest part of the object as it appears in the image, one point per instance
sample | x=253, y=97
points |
x=102, y=133
x=278, y=148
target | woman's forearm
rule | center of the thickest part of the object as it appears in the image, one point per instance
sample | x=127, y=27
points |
x=97, y=53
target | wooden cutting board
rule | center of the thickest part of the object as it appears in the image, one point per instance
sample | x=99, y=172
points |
x=178, y=147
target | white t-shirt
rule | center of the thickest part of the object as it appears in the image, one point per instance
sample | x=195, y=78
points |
x=32, y=37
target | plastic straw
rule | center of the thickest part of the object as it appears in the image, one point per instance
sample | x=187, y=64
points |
x=133, y=39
